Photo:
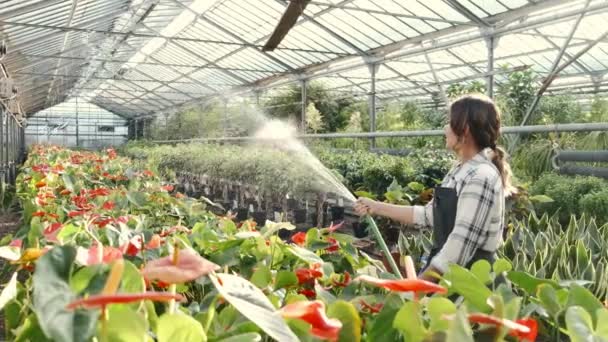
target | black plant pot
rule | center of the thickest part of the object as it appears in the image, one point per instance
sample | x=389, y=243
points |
x=259, y=217
x=226, y=205
x=360, y=229
x=313, y=220
x=337, y=214
x=242, y=214
x=292, y=204
x=232, y=195
x=299, y=216
x=392, y=235
x=284, y=234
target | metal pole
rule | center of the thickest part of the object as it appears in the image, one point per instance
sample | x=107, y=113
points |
x=490, y=79
x=373, y=69
x=77, y=124
x=225, y=119
x=585, y=127
x=304, y=103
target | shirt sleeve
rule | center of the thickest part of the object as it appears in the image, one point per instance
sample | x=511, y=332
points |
x=472, y=223
x=423, y=215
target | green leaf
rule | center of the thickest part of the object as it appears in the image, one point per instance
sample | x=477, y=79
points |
x=438, y=308
x=261, y=276
x=415, y=186
x=137, y=198
x=502, y=265
x=67, y=231
x=35, y=231
x=253, y=304
x=481, y=269
x=30, y=331
x=601, y=327
x=579, y=325
x=247, y=337
x=580, y=296
x=528, y=282
x=305, y=254
x=125, y=325
x=460, y=329
x=351, y=322
x=52, y=294
x=409, y=321
x=285, y=279
x=132, y=281
x=549, y=300
x=469, y=286
x=365, y=194
x=81, y=279
x=70, y=182
x=179, y=327
x=541, y=199
x=383, y=330
x=9, y=292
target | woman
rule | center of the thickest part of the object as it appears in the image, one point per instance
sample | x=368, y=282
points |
x=467, y=211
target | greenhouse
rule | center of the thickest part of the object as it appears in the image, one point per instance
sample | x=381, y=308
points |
x=304, y=170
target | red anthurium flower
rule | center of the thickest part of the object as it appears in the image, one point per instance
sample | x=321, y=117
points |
x=174, y=229
x=100, y=301
x=188, y=266
x=344, y=282
x=313, y=313
x=40, y=184
x=405, y=285
x=122, y=219
x=38, y=214
x=42, y=168
x=307, y=275
x=531, y=324
x=65, y=192
x=154, y=242
x=132, y=247
x=99, y=192
x=82, y=202
x=101, y=255
x=51, y=231
x=52, y=215
x=99, y=222
x=58, y=169
x=523, y=329
x=167, y=187
x=76, y=213
x=179, y=195
x=148, y=173
x=371, y=308
x=309, y=293
x=108, y=205
x=299, y=238
x=335, y=246
x=16, y=243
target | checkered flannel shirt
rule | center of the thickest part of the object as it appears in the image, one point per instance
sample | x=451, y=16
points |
x=479, y=214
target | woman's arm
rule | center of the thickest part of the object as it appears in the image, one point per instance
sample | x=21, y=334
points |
x=418, y=215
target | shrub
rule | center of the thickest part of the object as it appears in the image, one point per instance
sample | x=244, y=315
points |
x=596, y=204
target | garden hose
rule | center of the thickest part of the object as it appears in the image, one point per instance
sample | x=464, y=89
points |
x=387, y=253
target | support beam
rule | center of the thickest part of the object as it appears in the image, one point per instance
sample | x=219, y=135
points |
x=491, y=44
x=373, y=70
x=460, y=8
x=304, y=84
x=442, y=93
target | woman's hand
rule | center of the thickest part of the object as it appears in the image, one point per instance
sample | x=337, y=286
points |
x=365, y=206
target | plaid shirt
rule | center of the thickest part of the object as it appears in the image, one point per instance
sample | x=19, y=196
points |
x=479, y=214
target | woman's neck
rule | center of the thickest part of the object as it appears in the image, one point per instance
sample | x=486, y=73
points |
x=467, y=154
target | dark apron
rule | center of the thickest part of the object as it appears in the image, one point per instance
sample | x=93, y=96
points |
x=445, y=201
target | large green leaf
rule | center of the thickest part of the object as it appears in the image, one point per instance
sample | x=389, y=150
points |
x=179, y=327
x=305, y=254
x=351, y=322
x=70, y=182
x=125, y=325
x=438, y=309
x=52, y=294
x=580, y=296
x=460, y=329
x=383, y=330
x=285, y=279
x=30, y=331
x=409, y=321
x=137, y=198
x=261, y=276
x=253, y=304
x=579, y=325
x=527, y=282
x=481, y=269
x=548, y=298
x=469, y=286
x=247, y=337
x=9, y=292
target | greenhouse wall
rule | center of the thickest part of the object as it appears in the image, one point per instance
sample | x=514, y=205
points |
x=76, y=124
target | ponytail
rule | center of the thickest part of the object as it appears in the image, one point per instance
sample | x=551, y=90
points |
x=499, y=159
